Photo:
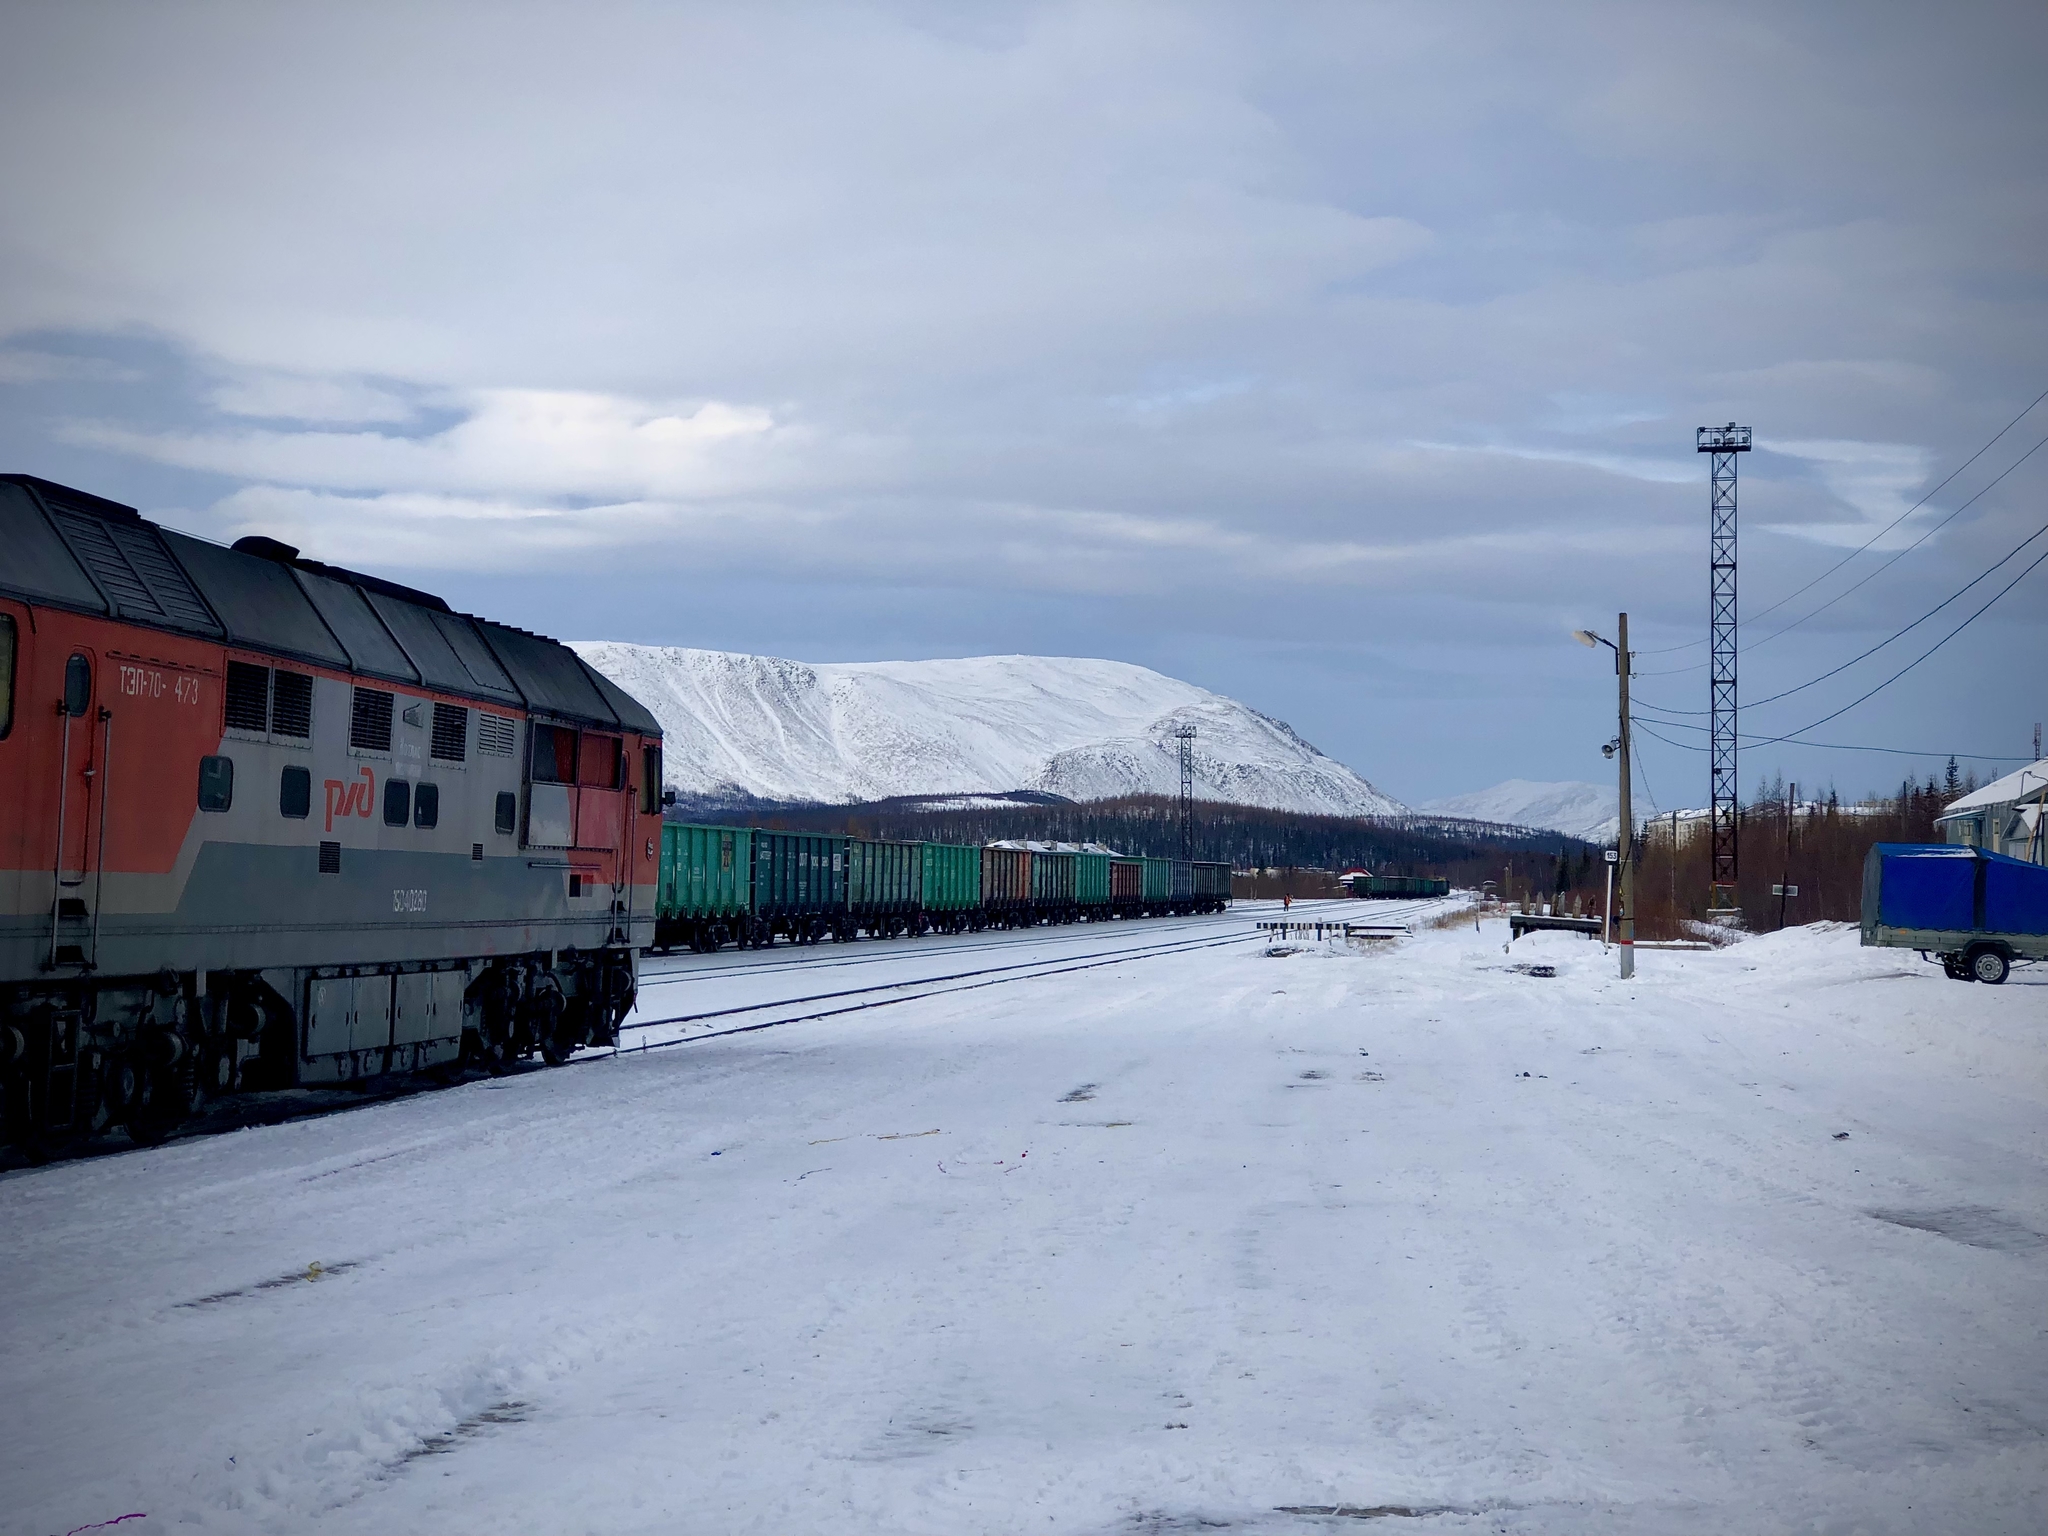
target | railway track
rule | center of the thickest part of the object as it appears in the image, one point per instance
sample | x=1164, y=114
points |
x=905, y=992
x=920, y=988
x=932, y=945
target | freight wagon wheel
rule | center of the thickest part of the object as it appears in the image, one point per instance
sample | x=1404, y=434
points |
x=1989, y=966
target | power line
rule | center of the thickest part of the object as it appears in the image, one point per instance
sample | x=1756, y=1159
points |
x=1897, y=634
x=1841, y=746
x=1909, y=666
x=1887, y=528
x=1895, y=559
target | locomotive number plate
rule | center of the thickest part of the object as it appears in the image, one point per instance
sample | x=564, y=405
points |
x=409, y=901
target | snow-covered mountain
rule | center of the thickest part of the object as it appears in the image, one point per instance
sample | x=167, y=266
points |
x=850, y=731
x=1590, y=811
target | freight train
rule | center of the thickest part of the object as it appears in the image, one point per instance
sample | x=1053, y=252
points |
x=1396, y=885
x=750, y=886
x=269, y=822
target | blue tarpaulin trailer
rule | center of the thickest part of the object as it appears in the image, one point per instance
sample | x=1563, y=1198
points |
x=1975, y=911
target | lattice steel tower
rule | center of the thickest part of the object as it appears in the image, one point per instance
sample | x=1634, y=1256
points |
x=1185, y=735
x=1723, y=443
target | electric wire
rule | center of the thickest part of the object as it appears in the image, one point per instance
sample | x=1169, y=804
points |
x=1792, y=737
x=1895, y=635
x=1909, y=666
x=1888, y=527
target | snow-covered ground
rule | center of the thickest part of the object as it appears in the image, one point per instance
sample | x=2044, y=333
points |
x=1084, y=729
x=1214, y=1241
x=1590, y=811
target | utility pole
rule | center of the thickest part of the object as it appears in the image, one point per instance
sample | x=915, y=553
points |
x=1626, y=934
x=1785, y=882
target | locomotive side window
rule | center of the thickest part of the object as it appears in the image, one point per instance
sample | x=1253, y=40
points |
x=295, y=793
x=248, y=697
x=426, y=805
x=397, y=802
x=369, y=723
x=451, y=733
x=507, y=818
x=554, y=755
x=650, y=780
x=7, y=648
x=77, y=686
x=600, y=762
x=217, y=783
x=291, y=705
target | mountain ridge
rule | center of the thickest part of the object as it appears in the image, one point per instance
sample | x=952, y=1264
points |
x=769, y=728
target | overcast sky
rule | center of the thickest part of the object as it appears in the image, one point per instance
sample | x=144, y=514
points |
x=1340, y=358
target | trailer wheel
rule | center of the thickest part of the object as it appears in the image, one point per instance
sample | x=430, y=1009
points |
x=1952, y=967
x=1988, y=966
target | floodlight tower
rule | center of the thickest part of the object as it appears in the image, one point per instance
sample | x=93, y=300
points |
x=1185, y=735
x=1723, y=443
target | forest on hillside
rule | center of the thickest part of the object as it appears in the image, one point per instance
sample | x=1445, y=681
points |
x=1245, y=837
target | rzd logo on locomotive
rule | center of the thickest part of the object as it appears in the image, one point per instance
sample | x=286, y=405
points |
x=350, y=799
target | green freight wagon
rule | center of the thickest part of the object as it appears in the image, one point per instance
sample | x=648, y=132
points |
x=799, y=885
x=1212, y=886
x=1158, y=894
x=884, y=882
x=950, y=887
x=1126, y=886
x=704, y=891
x=1006, y=886
x=1091, y=884
x=1052, y=886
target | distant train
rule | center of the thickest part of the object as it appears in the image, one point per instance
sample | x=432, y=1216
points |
x=749, y=886
x=1396, y=885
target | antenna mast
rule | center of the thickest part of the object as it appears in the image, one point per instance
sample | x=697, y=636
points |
x=1723, y=443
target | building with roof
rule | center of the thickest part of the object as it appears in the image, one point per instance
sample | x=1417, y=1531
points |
x=2005, y=816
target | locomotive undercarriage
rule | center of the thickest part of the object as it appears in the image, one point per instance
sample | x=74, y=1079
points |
x=82, y=1056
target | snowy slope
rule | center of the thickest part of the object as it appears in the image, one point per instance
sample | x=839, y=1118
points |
x=1591, y=811
x=788, y=730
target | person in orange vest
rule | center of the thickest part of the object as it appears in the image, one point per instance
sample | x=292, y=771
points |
x=1286, y=902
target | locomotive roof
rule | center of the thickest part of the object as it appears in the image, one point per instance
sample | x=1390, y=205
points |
x=74, y=550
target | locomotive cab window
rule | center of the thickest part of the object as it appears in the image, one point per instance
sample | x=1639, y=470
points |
x=7, y=648
x=295, y=793
x=397, y=802
x=426, y=805
x=216, y=783
x=77, y=686
x=506, y=819
x=650, y=781
x=554, y=755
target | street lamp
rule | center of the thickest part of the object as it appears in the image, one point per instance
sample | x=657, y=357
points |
x=1625, y=924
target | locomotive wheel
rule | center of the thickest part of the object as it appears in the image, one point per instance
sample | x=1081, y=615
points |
x=549, y=1028
x=162, y=1098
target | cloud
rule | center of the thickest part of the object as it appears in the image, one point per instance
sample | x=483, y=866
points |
x=1879, y=481
x=1376, y=320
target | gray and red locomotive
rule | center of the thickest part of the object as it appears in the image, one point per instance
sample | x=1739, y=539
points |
x=269, y=822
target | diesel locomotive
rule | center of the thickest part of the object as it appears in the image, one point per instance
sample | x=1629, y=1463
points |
x=265, y=821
